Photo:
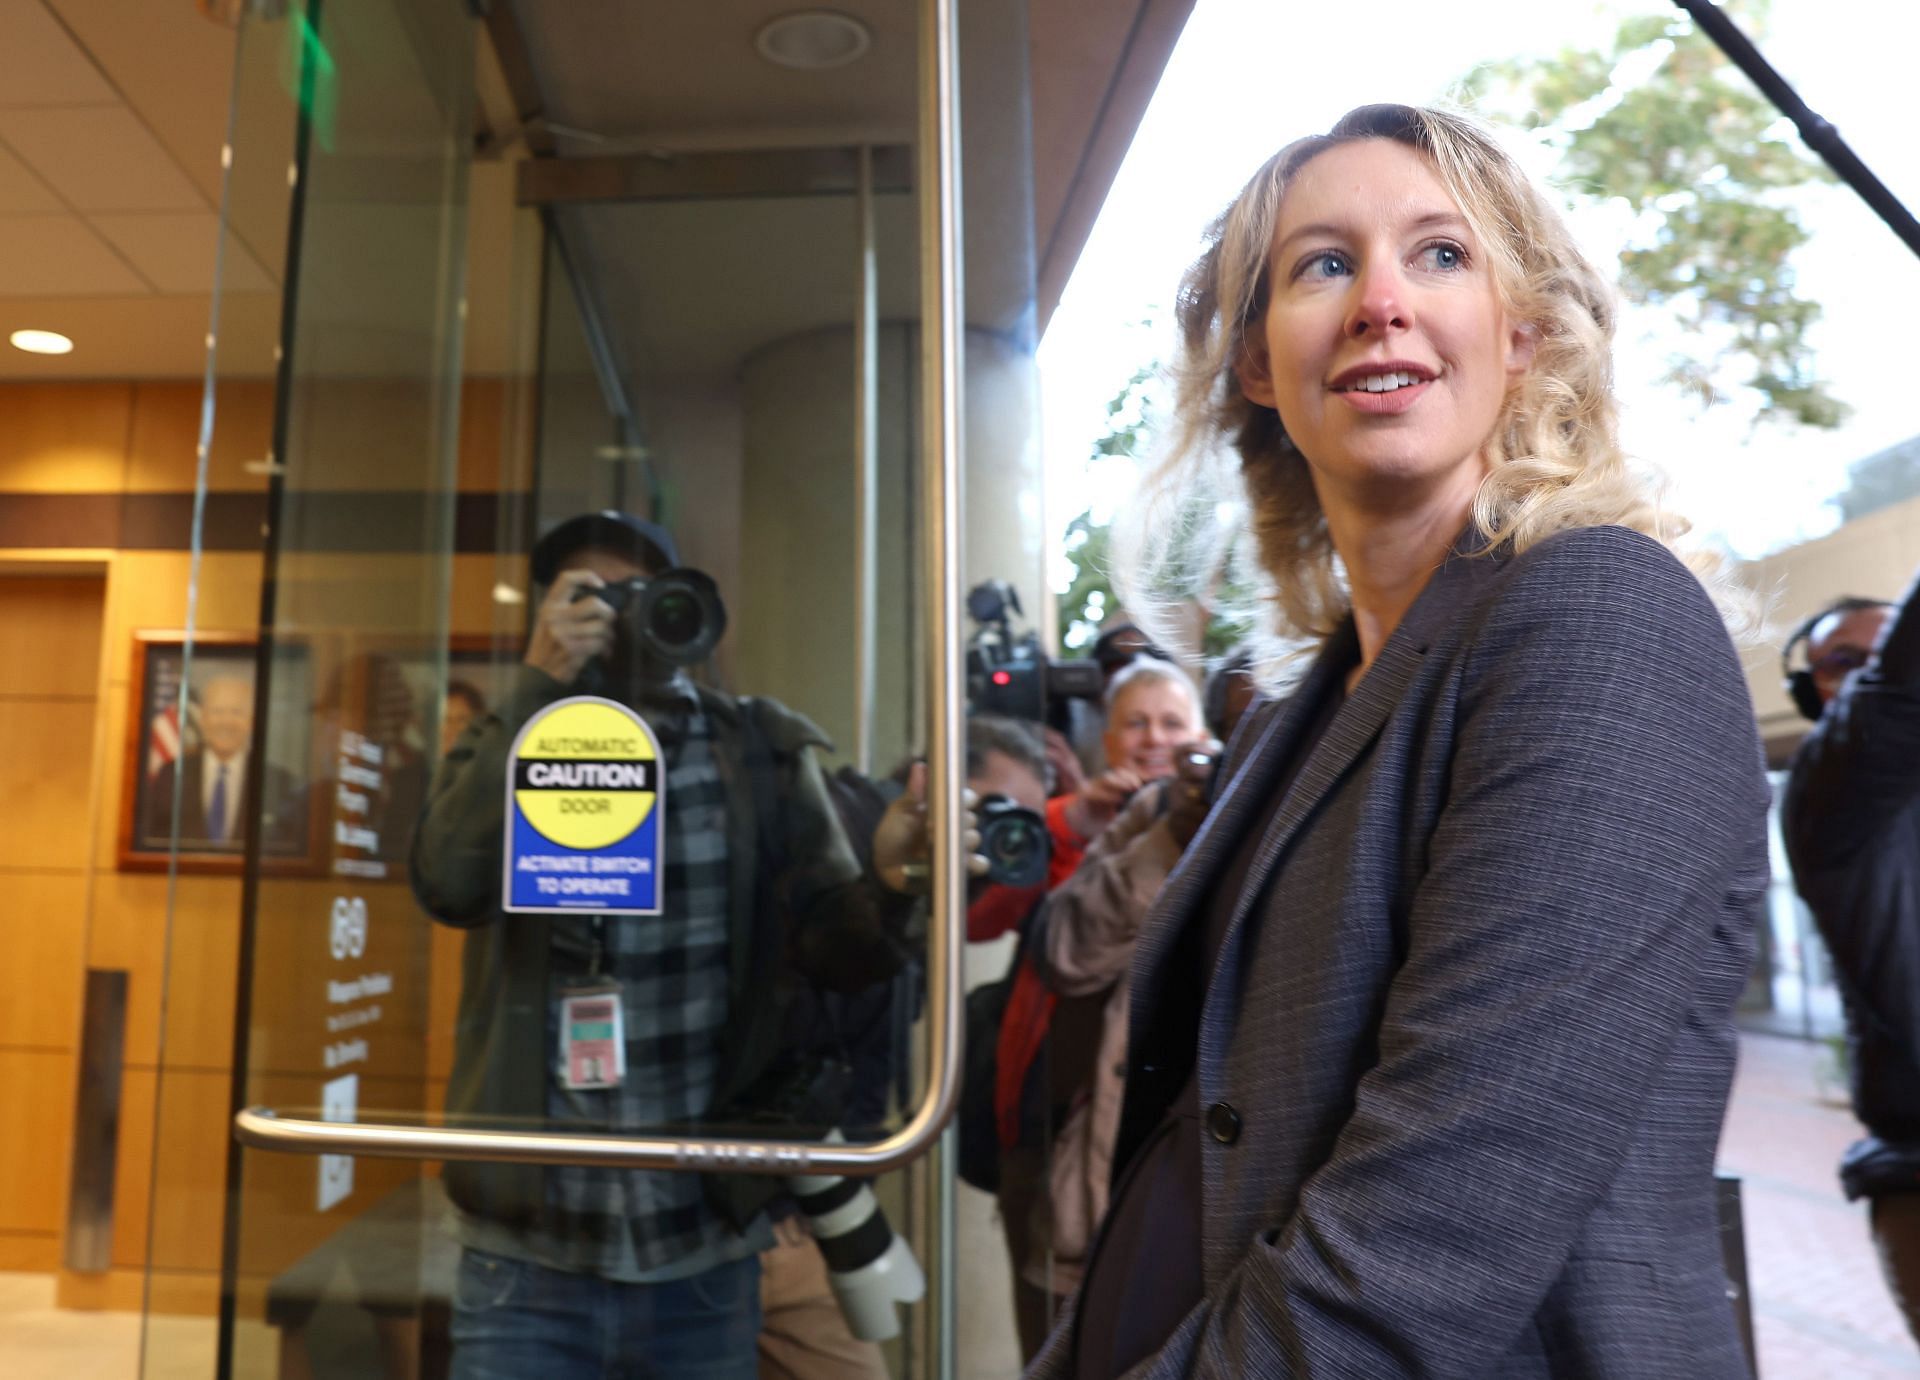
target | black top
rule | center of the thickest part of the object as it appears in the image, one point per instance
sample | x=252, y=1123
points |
x=1851, y=820
x=1144, y=1274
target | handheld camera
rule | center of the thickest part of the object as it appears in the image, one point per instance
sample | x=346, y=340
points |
x=676, y=616
x=1014, y=841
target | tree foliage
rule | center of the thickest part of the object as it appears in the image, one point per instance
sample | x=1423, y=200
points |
x=1218, y=606
x=1662, y=122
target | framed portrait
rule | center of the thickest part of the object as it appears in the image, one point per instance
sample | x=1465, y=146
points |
x=189, y=755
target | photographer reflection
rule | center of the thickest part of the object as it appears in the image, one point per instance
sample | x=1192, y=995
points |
x=1091, y=923
x=569, y=1271
x=1851, y=821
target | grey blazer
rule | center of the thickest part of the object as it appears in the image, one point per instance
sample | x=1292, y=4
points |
x=1465, y=1052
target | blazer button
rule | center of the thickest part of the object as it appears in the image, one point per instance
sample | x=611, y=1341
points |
x=1223, y=1123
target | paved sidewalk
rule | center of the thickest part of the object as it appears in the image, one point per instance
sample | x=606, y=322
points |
x=1821, y=1310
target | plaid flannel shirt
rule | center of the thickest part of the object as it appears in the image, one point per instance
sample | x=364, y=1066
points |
x=641, y=1225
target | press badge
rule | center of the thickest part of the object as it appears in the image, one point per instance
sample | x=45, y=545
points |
x=593, y=1044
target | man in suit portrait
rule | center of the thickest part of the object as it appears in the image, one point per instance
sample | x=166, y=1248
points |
x=213, y=776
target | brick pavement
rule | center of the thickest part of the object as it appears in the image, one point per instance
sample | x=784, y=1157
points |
x=1821, y=1310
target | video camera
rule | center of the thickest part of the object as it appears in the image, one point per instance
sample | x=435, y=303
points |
x=1008, y=674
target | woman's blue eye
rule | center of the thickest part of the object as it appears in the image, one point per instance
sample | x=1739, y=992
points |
x=1325, y=265
x=1445, y=256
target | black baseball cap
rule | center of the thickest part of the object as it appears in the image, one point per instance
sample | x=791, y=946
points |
x=646, y=544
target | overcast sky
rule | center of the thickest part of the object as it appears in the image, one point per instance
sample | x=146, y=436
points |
x=1250, y=75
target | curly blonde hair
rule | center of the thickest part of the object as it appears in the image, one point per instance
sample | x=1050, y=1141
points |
x=1554, y=456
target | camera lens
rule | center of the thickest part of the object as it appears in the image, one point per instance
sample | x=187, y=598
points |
x=1015, y=844
x=676, y=618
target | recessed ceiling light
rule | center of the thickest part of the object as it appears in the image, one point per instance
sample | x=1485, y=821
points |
x=811, y=40
x=41, y=342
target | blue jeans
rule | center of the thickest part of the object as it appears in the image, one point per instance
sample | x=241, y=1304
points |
x=513, y=1320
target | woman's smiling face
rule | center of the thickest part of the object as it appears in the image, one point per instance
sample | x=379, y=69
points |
x=1384, y=346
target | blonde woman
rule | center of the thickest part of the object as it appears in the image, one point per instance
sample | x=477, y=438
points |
x=1430, y=1033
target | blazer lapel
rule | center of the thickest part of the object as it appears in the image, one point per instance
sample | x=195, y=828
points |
x=1191, y=882
x=1352, y=730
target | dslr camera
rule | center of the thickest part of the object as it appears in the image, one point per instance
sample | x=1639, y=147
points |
x=1014, y=841
x=1007, y=672
x=676, y=617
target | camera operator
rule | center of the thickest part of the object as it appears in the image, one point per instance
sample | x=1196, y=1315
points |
x=571, y=1271
x=1851, y=821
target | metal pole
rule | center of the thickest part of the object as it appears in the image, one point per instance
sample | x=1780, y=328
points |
x=866, y=468
x=942, y=328
x=1820, y=136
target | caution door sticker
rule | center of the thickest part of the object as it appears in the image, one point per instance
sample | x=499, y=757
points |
x=585, y=812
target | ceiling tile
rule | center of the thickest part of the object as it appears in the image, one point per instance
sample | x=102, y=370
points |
x=175, y=68
x=174, y=250
x=21, y=193
x=99, y=158
x=40, y=64
x=59, y=256
x=143, y=337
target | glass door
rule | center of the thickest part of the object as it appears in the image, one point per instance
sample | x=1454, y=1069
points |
x=612, y=568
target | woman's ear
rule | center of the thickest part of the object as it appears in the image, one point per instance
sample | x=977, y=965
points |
x=1522, y=341
x=1251, y=368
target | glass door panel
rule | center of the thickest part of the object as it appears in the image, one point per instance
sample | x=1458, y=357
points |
x=634, y=480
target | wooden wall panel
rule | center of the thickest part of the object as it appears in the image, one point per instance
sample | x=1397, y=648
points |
x=64, y=438
x=203, y=956
x=483, y=422
x=130, y=931
x=50, y=635
x=46, y=770
x=141, y=439
x=148, y=589
x=190, y=1170
x=42, y=962
x=34, y=1251
x=473, y=609
x=36, y=1088
x=164, y=452
x=112, y=712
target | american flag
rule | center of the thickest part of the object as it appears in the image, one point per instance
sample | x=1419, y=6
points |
x=163, y=730
x=163, y=738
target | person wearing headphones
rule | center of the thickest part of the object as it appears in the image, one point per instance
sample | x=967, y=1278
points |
x=1851, y=821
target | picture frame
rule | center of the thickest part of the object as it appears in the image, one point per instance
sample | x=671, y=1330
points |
x=188, y=755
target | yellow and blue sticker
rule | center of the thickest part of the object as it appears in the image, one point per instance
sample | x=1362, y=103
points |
x=586, y=806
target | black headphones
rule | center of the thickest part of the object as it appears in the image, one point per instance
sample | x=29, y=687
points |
x=1799, y=684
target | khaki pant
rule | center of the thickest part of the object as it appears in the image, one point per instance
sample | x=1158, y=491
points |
x=802, y=1333
x=1896, y=1234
